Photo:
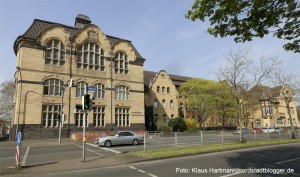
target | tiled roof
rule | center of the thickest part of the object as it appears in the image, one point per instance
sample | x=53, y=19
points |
x=39, y=25
x=176, y=79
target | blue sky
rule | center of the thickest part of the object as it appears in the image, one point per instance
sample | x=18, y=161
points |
x=158, y=29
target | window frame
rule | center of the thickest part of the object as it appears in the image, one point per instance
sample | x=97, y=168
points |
x=80, y=88
x=121, y=92
x=121, y=63
x=90, y=56
x=50, y=51
x=100, y=91
x=53, y=87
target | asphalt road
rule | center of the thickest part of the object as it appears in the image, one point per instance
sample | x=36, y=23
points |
x=279, y=160
x=31, y=155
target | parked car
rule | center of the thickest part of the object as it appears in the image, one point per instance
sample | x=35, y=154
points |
x=244, y=131
x=257, y=131
x=278, y=129
x=119, y=138
x=268, y=129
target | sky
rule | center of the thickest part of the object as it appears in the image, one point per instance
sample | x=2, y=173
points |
x=158, y=29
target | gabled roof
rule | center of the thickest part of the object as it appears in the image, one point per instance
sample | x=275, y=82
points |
x=176, y=79
x=38, y=26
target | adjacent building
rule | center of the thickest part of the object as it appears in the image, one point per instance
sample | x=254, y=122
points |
x=271, y=107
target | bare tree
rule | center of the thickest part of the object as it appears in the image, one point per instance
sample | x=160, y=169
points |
x=242, y=73
x=290, y=91
x=6, y=100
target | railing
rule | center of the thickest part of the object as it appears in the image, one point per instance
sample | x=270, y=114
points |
x=156, y=140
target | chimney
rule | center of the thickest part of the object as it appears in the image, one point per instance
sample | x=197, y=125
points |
x=81, y=21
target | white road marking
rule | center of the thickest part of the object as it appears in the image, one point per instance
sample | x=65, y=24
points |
x=89, y=150
x=142, y=171
x=231, y=174
x=106, y=149
x=25, y=156
x=152, y=175
x=132, y=167
x=287, y=161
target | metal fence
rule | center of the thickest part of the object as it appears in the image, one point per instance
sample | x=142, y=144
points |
x=156, y=140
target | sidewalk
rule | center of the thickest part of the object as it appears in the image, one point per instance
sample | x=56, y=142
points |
x=65, y=165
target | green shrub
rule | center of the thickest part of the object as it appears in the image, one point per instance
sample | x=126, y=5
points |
x=192, y=124
x=177, y=124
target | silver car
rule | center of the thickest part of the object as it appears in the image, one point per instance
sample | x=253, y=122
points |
x=119, y=138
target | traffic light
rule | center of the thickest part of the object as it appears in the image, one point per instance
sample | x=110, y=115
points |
x=91, y=103
x=71, y=83
x=86, y=102
x=64, y=117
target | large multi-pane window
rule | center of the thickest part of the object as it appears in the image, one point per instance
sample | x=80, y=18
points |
x=98, y=116
x=49, y=115
x=80, y=89
x=79, y=116
x=122, y=92
x=53, y=87
x=122, y=117
x=90, y=56
x=55, y=52
x=100, y=91
x=121, y=63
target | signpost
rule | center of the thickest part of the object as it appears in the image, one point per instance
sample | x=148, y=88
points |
x=18, y=147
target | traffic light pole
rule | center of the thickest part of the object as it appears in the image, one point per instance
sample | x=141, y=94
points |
x=84, y=123
x=61, y=113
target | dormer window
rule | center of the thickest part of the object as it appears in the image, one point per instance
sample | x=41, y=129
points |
x=55, y=52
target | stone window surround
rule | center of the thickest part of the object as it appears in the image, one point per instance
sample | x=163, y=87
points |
x=55, y=52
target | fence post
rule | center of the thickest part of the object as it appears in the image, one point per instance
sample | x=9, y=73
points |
x=201, y=137
x=176, y=140
x=279, y=134
x=255, y=136
x=222, y=137
x=269, y=136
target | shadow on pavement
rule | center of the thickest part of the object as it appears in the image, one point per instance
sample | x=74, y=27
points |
x=267, y=159
x=37, y=165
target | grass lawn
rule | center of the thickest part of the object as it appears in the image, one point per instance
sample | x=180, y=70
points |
x=194, y=150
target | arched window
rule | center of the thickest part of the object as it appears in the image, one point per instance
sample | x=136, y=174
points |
x=158, y=89
x=80, y=89
x=121, y=63
x=168, y=89
x=163, y=89
x=90, y=56
x=164, y=104
x=172, y=104
x=100, y=91
x=122, y=92
x=53, y=87
x=55, y=52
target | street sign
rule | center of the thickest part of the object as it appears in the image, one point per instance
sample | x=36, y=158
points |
x=19, y=138
x=92, y=89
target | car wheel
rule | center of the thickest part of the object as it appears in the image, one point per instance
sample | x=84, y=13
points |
x=135, y=142
x=107, y=143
